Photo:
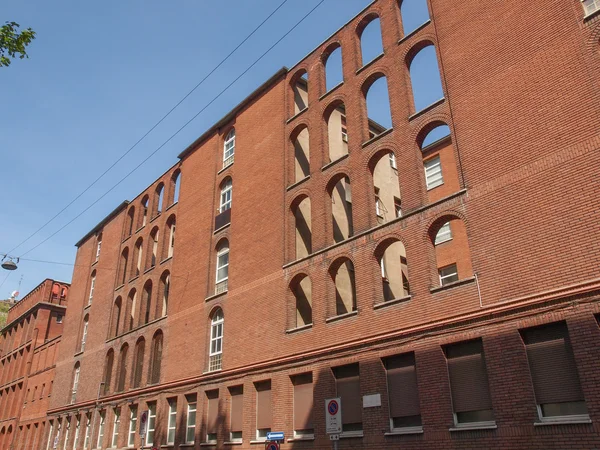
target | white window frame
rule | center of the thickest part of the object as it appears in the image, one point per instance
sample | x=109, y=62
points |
x=101, y=429
x=151, y=424
x=132, y=426
x=226, y=196
x=88, y=426
x=84, y=334
x=191, y=408
x=590, y=6
x=75, y=384
x=220, y=253
x=398, y=207
x=92, y=286
x=392, y=158
x=98, y=247
x=172, y=422
x=215, y=326
x=115, y=431
x=50, y=438
x=171, y=240
x=229, y=148
x=433, y=172
x=68, y=428
x=448, y=275
x=77, y=430
x=444, y=234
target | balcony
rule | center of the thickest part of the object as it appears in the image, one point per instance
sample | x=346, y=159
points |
x=223, y=219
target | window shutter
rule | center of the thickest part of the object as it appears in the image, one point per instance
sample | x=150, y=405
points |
x=348, y=389
x=468, y=377
x=303, y=402
x=213, y=412
x=402, y=386
x=237, y=410
x=263, y=413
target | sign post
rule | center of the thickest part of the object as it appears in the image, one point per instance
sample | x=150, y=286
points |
x=333, y=419
x=143, y=426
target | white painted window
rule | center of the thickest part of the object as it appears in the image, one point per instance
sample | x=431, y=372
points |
x=229, y=148
x=216, y=341
x=223, y=265
x=75, y=384
x=68, y=428
x=98, y=247
x=88, y=427
x=101, y=429
x=77, y=430
x=392, y=160
x=50, y=436
x=84, y=334
x=590, y=6
x=444, y=234
x=115, y=430
x=132, y=426
x=448, y=274
x=172, y=424
x=92, y=286
x=433, y=172
x=151, y=424
x=398, y=207
x=226, y=192
x=190, y=433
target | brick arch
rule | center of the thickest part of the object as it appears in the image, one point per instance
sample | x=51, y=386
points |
x=593, y=41
x=372, y=75
x=328, y=49
x=379, y=147
x=335, y=177
x=298, y=197
x=213, y=310
x=374, y=156
x=382, y=243
x=424, y=41
x=452, y=213
x=366, y=18
x=297, y=278
x=335, y=101
x=338, y=260
x=298, y=128
x=423, y=128
x=223, y=177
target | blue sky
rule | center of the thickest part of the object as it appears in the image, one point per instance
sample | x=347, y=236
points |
x=100, y=74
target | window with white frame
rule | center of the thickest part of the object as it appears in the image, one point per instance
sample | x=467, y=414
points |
x=216, y=341
x=223, y=264
x=75, y=383
x=49, y=444
x=590, y=6
x=132, y=426
x=151, y=424
x=190, y=427
x=226, y=192
x=392, y=160
x=101, y=429
x=444, y=234
x=67, y=430
x=84, y=334
x=88, y=428
x=172, y=423
x=378, y=204
x=398, y=207
x=77, y=430
x=229, y=148
x=92, y=286
x=115, y=431
x=448, y=274
x=98, y=246
x=433, y=172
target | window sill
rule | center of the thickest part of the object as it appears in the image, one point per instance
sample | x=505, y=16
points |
x=188, y=445
x=172, y=205
x=224, y=169
x=125, y=239
x=259, y=441
x=406, y=431
x=452, y=285
x=155, y=217
x=212, y=297
x=415, y=31
x=218, y=230
x=131, y=280
x=335, y=88
x=426, y=109
x=95, y=262
x=341, y=316
x=333, y=163
x=298, y=329
x=351, y=435
x=474, y=426
x=376, y=138
x=370, y=63
x=208, y=444
x=149, y=269
x=166, y=260
x=119, y=287
x=167, y=446
x=295, y=116
x=394, y=301
x=302, y=439
x=233, y=443
x=580, y=420
x=297, y=183
x=88, y=306
x=139, y=229
x=591, y=15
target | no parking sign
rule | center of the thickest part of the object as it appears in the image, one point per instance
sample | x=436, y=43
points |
x=333, y=415
x=272, y=446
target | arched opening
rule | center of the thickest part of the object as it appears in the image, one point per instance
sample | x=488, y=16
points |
x=215, y=355
x=386, y=186
x=425, y=79
x=332, y=60
x=448, y=235
x=300, y=91
x=171, y=222
x=156, y=358
x=129, y=222
x=379, y=114
x=342, y=273
x=158, y=199
x=123, y=268
x=131, y=310
x=138, y=363
x=75, y=385
x=163, y=292
x=222, y=272
x=175, y=186
x=145, y=204
x=301, y=287
x=154, y=236
x=108, y=368
x=122, y=368
x=341, y=209
x=229, y=148
x=92, y=287
x=394, y=270
x=439, y=163
x=98, y=246
x=138, y=257
x=337, y=131
x=84, y=331
x=414, y=14
x=371, y=43
x=302, y=217
x=301, y=141
x=146, y=304
x=116, y=317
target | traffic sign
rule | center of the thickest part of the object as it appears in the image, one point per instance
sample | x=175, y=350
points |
x=333, y=415
x=143, y=422
x=272, y=446
x=275, y=436
x=334, y=437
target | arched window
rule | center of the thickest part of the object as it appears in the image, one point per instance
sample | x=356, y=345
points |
x=301, y=143
x=122, y=368
x=138, y=363
x=379, y=115
x=337, y=131
x=394, y=270
x=332, y=60
x=152, y=257
x=98, y=245
x=342, y=273
x=425, y=79
x=171, y=244
x=131, y=310
x=124, y=258
x=138, y=257
x=130, y=222
x=226, y=191
x=163, y=292
x=156, y=358
x=144, y=205
x=116, y=317
x=386, y=186
x=216, y=341
x=76, y=371
x=159, y=195
x=448, y=235
x=229, y=148
x=341, y=210
x=84, y=331
x=414, y=14
x=302, y=216
x=175, y=186
x=301, y=287
x=300, y=91
x=146, y=304
x=222, y=275
x=439, y=164
x=92, y=287
x=108, y=368
x=369, y=33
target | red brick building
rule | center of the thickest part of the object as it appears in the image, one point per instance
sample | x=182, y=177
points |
x=439, y=274
x=28, y=349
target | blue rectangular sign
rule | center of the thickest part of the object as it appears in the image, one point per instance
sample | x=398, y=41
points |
x=275, y=436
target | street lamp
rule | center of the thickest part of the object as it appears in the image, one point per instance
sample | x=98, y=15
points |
x=8, y=262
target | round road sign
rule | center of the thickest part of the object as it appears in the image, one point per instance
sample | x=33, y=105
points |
x=272, y=446
x=333, y=407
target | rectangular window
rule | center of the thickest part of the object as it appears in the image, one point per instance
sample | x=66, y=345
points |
x=101, y=429
x=448, y=274
x=88, y=428
x=591, y=6
x=303, y=406
x=398, y=207
x=237, y=413
x=190, y=427
x=171, y=241
x=263, y=409
x=444, y=234
x=67, y=430
x=378, y=204
x=132, y=426
x=556, y=385
x=92, y=286
x=151, y=424
x=433, y=172
x=172, y=424
x=50, y=436
x=469, y=385
x=403, y=394
x=98, y=249
x=213, y=415
x=77, y=430
x=223, y=265
x=115, y=431
x=347, y=383
x=84, y=336
x=226, y=197
x=392, y=160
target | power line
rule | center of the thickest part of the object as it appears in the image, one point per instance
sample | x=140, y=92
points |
x=153, y=127
x=180, y=129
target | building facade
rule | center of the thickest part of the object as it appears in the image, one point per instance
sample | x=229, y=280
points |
x=438, y=271
x=29, y=346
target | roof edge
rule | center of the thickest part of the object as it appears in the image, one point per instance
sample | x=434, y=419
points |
x=103, y=222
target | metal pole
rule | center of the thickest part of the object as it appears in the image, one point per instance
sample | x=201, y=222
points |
x=335, y=445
